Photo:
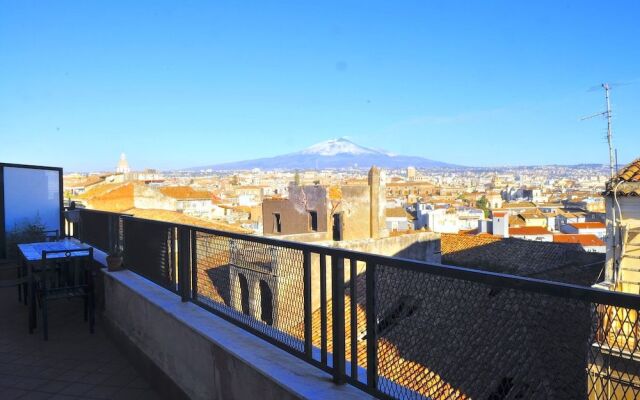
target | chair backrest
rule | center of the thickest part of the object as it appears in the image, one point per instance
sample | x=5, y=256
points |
x=66, y=269
x=51, y=235
x=9, y=276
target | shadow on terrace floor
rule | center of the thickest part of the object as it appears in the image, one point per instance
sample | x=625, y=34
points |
x=72, y=364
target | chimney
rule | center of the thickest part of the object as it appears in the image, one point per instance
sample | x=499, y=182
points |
x=377, y=203
x=500, y=223
x=484, y=226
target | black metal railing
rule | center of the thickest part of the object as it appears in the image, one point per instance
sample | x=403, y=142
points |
x=151, y=250
x=100, y=229
x=400, y=328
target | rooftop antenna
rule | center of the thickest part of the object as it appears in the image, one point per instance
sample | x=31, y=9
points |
x=613, y=160
x=607, y=114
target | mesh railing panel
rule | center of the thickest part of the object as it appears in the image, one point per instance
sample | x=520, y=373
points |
x=614, y=357
x=256, y=285
x=434, y=337
x=151, y=251
x=447, y=338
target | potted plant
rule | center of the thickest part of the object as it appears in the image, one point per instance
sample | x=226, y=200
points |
x=114, y=260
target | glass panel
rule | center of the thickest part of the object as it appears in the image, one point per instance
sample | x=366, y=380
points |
x=31, y=204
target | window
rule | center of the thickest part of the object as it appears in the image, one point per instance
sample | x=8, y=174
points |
x=244, y=294
x=277, y=224
x=266, y=303
x=313, y=221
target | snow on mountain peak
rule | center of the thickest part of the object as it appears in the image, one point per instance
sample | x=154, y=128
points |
x=338, y=146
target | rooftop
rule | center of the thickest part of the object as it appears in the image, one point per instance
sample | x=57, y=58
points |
x=585, y=240
x=180, y=218
x=630, y=173
x=627, y=181
x=522, y=257
x=588, y=225
x=184, y=193
x=529, y=230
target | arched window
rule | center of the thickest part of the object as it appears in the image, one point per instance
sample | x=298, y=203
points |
x=244, y=294
x=266, y=303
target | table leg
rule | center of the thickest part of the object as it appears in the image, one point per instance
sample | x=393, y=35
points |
x=26, y=284
x=32, y=300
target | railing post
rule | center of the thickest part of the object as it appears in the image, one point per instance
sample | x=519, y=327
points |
x=308, y=343
x=184, y=263
x=194, y=265
x=111, y=233
x=337, y=307
x=372, y=342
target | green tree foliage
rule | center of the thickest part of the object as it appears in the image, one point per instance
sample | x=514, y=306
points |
x=483, y=204
x=296, y=178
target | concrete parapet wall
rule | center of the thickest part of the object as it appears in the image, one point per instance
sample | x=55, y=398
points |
x=204, y=355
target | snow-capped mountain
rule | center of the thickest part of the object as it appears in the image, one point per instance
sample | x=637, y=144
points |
x=335, y=153
x=338, y=146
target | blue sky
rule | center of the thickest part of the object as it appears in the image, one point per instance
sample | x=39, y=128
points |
x=185, y=83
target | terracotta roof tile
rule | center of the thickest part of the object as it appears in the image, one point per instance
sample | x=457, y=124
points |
x=630, y=173
x=184, y=193
x=584, y=240
x=627, y=181
x=588, y=225
x=529, y=230
x=180, y=218
x=521, y=257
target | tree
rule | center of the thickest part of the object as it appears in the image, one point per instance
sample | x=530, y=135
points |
x=483, y=204
x=296, y=178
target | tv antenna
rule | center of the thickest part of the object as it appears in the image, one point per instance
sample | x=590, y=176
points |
x=607, y=114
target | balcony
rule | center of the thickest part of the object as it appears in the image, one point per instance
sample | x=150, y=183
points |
x=226, y=315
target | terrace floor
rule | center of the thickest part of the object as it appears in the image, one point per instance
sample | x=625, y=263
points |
x=73, y=364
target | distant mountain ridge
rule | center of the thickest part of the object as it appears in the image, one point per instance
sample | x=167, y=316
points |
x=335, y=153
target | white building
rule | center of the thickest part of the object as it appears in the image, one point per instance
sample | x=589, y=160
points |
x=123, y=165
x=583, y=228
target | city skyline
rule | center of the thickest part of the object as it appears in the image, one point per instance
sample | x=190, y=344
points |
x=463, y=84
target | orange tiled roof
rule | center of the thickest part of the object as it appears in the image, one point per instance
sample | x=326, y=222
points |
x=397, y=212
x=103, y=191
x=627, y=182
x=533, y=214
x=180, y=218
x=547, y=260
x=82, y=181
x=529, y=230
x=115, y=197
x=585, y=240
x=630, y=173
x=588, y=225
x=184, y=193
x=516, y=221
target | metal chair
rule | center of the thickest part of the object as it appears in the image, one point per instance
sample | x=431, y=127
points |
x=65, y=274
x=51, y=235
x=9, y=268
x=45, y=236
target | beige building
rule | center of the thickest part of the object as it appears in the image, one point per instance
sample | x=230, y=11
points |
x=316, y=213
x=619, y=340
x=623, y=229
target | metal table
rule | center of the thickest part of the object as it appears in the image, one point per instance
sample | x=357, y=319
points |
x=31, y=255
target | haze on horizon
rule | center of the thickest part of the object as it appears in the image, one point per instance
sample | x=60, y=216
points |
x=182, y=84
